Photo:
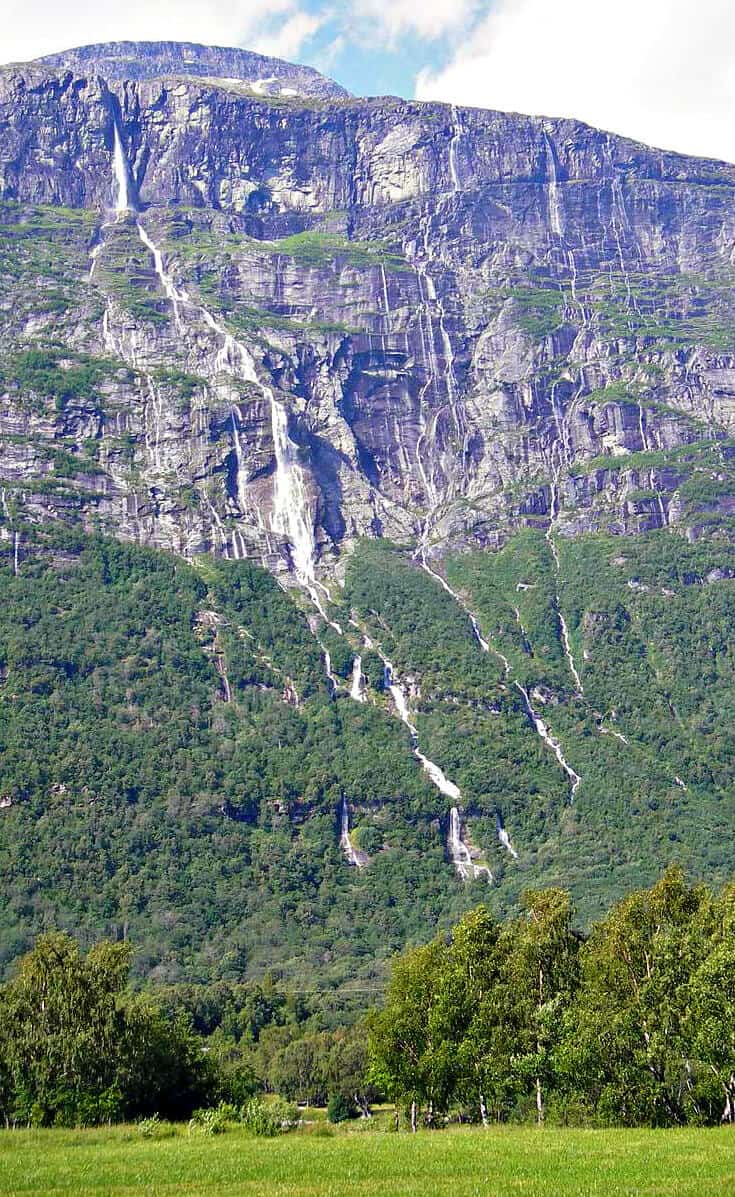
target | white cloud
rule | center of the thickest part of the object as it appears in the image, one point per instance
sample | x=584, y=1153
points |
x=390, y=20
x=662, y=71
x=286, y=42
x=31, y=28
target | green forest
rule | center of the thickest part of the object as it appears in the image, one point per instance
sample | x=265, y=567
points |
x=137, y=802
x=524, y=1019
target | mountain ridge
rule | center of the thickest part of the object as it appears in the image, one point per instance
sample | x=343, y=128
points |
x=128, y=60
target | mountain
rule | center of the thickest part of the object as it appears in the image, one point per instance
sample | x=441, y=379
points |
x=121, y=61
x=463, y=381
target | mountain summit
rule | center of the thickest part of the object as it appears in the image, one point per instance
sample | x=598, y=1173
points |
x=120, y=61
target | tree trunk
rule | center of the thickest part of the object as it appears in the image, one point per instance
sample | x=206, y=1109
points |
x=539, y=1103
x=413, y=1117
x=483, y=1109
x=430, y=1114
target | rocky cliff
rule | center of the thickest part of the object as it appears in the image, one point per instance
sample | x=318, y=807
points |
x=462, y=321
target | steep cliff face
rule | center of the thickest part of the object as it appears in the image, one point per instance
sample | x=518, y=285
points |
x=470, y=321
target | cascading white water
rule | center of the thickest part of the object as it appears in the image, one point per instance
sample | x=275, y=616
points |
x=290, y=502
x=502, y=833
x=459, y=853
x=456, y=134
x=556, y=220
x=358, y=859
x=538, y=723
x=175, y=297
x=566, y=641
x=473, y=621
x=328, y=668
x=436, y=775
x=400, y=701
x=357, y=691
x=124, y=198
x=549, y=739
x=386, y=301
x=504, y=837
x=618, y=217
x=431, y=311
x=556, y=217
x=568, y=649
x=123, y=202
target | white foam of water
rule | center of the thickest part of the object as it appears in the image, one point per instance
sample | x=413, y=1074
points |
x=357, y=691
x=354, y=858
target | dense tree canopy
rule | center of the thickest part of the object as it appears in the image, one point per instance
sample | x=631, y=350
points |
x=634, y=1025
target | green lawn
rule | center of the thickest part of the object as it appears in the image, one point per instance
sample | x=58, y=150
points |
x=453, y=1163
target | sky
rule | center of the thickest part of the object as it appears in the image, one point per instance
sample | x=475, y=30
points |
x=661, y=71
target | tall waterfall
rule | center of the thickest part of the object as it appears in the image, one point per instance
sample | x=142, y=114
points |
x=555, y=213
x=456, y=134
x=124, y=198
x=291, y=509
x=291, y=516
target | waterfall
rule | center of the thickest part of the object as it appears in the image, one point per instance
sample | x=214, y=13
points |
x=555, y=213
x=175, y=297
x=538, y=723
x=428, y=296
x=459, y=853
x=549, y=739
x=456, y=134
x=618, y=206
x=556, y=220
x=358, y=859
x=290, y=503
x=504, y=837
x=291, y=516
x=386, y=302
x=357, y=686
x=124, y=199
x=566, y=641
x=568, y=649
x=433, y=771
x=328, y=667
x=400, y=701
x=473, y=621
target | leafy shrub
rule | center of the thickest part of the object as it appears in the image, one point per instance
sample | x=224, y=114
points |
x=340, y=1108
x=212, y=1121
x=268, y=1118
x=154, y=1128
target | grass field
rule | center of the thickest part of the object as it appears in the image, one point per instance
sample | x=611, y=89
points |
x=453, y=1163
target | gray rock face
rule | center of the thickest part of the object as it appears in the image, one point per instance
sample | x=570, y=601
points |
x=119, y=61
x=472, y=320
